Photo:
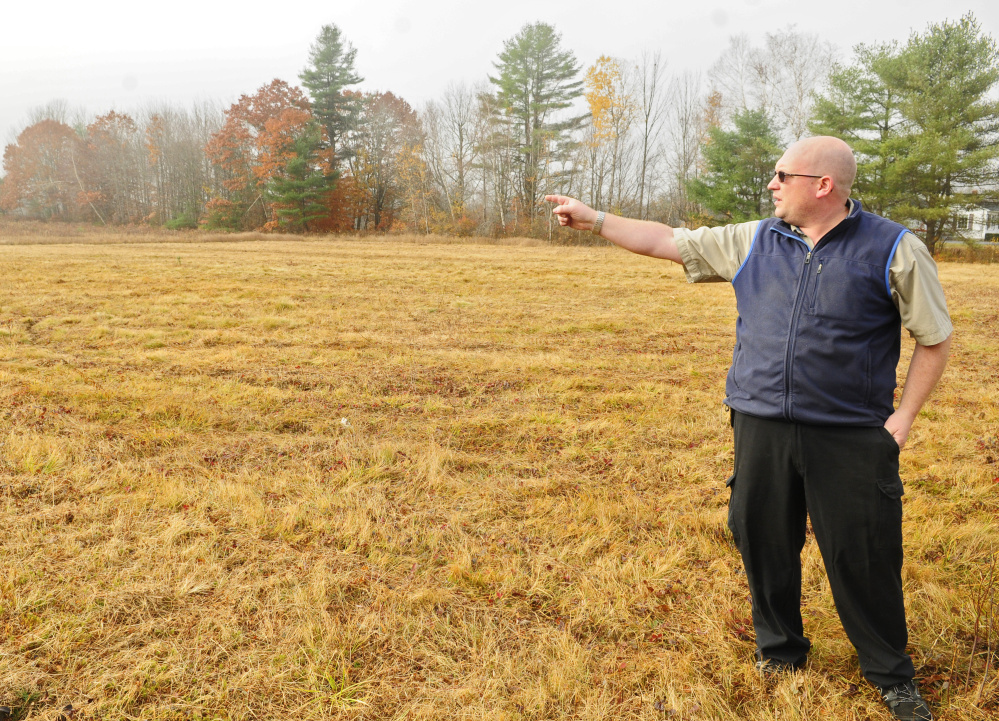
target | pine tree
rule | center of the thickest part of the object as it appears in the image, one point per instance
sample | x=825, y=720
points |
x=863, y=106
x=296, y=193
x=330, y=72
x=740, y=164
x=951, y=143
x=922, y=120
x=537, y=80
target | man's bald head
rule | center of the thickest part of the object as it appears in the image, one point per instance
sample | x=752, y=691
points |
x=826, y=155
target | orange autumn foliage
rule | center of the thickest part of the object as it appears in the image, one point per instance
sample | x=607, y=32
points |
x=41, y=180
x=116, y=183
x=344, y=204
x=251, y=147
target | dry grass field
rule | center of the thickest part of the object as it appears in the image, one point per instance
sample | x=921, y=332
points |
x=386, y=479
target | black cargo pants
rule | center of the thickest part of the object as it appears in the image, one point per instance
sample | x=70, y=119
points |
x=846, y=480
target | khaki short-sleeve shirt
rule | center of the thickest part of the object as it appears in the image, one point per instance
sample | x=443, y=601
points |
x=716, y=254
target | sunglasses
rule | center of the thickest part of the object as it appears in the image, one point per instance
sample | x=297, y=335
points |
x=782, y=176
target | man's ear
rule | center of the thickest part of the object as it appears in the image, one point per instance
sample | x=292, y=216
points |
x=826, y=187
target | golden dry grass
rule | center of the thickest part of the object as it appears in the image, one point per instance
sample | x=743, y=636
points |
x=385, y=479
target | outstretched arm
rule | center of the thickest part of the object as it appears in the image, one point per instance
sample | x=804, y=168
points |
x=925, y=368
x=639, y=236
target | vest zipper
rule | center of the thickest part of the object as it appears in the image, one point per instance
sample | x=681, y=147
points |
x=792, y=331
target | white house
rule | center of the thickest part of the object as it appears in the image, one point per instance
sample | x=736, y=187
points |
x=979, y=221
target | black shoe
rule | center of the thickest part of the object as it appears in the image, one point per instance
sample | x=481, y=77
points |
x=769, y=667
x=905, y=703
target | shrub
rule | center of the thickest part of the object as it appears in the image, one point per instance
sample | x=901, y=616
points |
x=185, y=221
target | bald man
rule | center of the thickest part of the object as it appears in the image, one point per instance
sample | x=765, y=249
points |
x=823, y=289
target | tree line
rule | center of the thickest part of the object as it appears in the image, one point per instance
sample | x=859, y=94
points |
x=625, y=135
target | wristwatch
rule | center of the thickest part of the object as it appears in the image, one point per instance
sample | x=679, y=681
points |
x=600, y=223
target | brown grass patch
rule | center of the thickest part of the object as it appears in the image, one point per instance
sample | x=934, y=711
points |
x=387, y=479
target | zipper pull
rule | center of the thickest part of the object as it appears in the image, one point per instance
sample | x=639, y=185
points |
x=808, y=258
x=819, y=270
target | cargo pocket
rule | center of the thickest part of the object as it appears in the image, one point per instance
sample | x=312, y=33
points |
x=890, y=492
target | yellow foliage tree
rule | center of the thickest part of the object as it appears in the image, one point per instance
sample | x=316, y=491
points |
x=612, y=108
x=606, y=96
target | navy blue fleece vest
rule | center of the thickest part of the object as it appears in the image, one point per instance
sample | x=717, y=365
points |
x=818, y=336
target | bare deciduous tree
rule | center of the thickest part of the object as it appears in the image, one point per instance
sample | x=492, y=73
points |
x=685, y=134
x=762, y=78
x=450, y=150
x=651, y=96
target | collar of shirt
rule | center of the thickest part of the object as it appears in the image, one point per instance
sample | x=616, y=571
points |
x=808, y=241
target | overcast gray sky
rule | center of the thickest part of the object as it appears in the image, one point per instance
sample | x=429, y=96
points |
x=123, y=54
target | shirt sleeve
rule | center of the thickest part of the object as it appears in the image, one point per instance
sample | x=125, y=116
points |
x=714, y=255
x=917, y=293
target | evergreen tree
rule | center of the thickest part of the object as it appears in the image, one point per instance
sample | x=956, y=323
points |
x=922, y=120
x=863, y=106
x=953, y=135
x=296, y=194
x=537, y=80
x=330, y=71
x=739, y=166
